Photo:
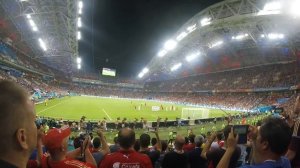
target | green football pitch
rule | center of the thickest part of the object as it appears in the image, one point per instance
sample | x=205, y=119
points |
x=95, y=108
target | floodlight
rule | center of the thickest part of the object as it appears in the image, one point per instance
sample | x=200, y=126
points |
x=294, y=10
x=262, y=36
x=145, y=70
x=170, y=44
x=28, y=16
x=78, y=60
x=34, y=28
x=80, y=4
x=79, y=24
x=181, y=36
x=240, y=36
x=31, y=22
x=271, y=8
x=78, y=66
x=191, y=57
x=274, y=36
x=205, y=21
x=140, y=75
x=176, y=66
x=216, y=44
x=42, y=44
x=162, y=53
x=78, y=35
x=191, y=28
x=80, y=11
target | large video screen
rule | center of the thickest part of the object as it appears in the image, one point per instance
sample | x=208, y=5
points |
x=108, y=72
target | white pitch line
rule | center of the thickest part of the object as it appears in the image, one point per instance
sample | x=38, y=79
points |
x=106, y=114
x=49, y=107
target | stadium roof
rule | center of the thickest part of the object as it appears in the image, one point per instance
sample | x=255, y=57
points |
x=48, y=28
x=227, y=28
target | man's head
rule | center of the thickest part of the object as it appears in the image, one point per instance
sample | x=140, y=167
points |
x=126, y=138
x=199, y=140
x=145, y=140
x=192, y=138
x=272, y=138
x=153, y=141
x=96, y=142
x=17, y=120
x=56, y=140
x=219, y=136
x=179, y=142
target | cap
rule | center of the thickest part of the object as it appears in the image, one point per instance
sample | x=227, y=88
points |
x=55, y=136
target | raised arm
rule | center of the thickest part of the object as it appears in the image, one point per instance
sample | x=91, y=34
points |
x=207, y=145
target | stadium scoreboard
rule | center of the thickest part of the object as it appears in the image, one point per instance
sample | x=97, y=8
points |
x=108, y=72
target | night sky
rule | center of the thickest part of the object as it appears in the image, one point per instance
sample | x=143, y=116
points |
x=129, y=33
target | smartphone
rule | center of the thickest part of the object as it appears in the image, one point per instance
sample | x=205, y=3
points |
x=242, y=131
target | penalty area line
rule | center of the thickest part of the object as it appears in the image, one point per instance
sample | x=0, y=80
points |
x=49, y=108
x=106, y=114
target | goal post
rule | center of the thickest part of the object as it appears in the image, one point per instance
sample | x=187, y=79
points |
x=194, y=113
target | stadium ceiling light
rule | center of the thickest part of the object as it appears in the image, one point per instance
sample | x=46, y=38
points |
x=78, y=66
x=42, y=44
x=79, y=24
x=35, y=28
x=191, y=57
x=216, y=44
x=170, y=45
x=191, y=28
x=271, y=8
x=176, y=66
x=28, y=16
x=181, y=36
x=78, y=60
x=78, y=35
x=240, y=37
x=262, y=36
x=140, y=75
x=274, y=36
x=162, y=53
x=205, y=22
x=294, y=10
x=80, y=4
x=145, y=70
x=31, y=22
x=80, y=11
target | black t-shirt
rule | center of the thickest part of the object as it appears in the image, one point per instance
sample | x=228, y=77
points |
x=215, y=156
x=175, y=160
x=153, y=155
x=195, y=159
x=6, y=164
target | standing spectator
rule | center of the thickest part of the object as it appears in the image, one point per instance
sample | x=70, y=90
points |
x=115, y=147
x=100, y=147
x=126, y=156
x=17, y=120
x=215, y=155
x=56, y=142
x=191, y=143
x=176, y=158
x=267, y=150
x=194, y=156
x=145, y=142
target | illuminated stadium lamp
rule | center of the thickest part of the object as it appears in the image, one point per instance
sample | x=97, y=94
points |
x=162, y=53
x=80, y=11
x=78, y=66
x=141, y=75
x=78, y=35
x=216, y=44
x=80, y=4
x=175, y=67
x=31, y=22
x=274, y=36
x=295, y=12
x=205, y=21
x=240, y=37
x=191, y=28
x=181, y=36
x=34, y=28
x=79, y=24
x=78, y=60
x=28, y=16
x=170, y=45
x=271, y=8
x=145, y=70
x=42, y=44
x=192, y=57
x=262, y=36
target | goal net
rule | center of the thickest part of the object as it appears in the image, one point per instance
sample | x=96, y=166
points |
x=194, y=113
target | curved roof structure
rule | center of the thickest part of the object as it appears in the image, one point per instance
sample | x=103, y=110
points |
x=47, y=27
x=230, y=34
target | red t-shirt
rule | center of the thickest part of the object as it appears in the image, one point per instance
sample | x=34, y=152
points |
x=189, y=147
x=128, y=159
x=67, y=163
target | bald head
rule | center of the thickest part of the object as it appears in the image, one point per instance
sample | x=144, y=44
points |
x=179, y=142
x=17, y=117
x=126, y=138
